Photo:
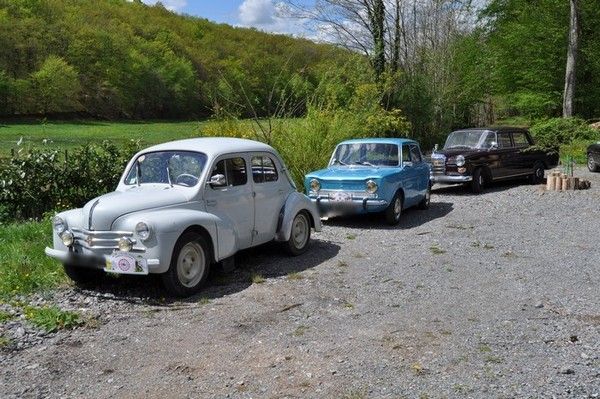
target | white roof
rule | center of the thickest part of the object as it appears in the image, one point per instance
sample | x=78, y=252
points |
x=212, y=146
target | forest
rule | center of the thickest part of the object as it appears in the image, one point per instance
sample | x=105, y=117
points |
x=441, y=64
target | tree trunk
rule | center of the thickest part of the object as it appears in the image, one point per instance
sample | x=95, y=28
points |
x=377, y=17
x=570, y=80
x=396, y=39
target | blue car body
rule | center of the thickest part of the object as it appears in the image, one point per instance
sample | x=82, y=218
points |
x=343, y=187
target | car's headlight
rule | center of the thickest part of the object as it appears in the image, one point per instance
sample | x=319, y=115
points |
x=59, y=225
x=125, y=244
x=315, y=185
x=143, y=231
x=371, y=187
x=460, y=160
x=67, y=238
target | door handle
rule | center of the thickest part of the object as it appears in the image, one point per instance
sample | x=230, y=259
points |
x=211, y=202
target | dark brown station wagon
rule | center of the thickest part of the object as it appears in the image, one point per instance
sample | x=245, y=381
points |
x=479, y=156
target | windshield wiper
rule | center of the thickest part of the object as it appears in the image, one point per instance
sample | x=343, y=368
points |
x=459, y=146
x=366, y=163
x=169, y=176
x=335, y=160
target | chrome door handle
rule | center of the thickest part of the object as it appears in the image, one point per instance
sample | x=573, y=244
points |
x=211, y=202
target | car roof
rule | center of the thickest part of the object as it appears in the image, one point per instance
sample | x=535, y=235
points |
x=381, y=140
x=495, y=129
x=212, y=146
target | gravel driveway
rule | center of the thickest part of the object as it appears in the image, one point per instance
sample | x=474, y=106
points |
x=488, y=296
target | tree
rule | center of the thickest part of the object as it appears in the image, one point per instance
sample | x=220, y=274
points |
x=570, y=76
x=55, y=86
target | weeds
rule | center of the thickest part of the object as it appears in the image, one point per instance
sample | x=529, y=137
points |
x=294, y=276
x=299, y=331
x=436, y=250
x=5, y=316
x=52, y=318
x=257, y=278
x=351, y=236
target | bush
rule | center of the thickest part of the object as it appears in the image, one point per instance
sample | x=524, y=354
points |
x=562, y=131
x=36, y=181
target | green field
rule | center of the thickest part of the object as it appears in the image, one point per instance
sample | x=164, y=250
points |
x=65, y=135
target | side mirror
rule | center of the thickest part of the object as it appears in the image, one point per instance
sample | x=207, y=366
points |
x=217, y=181
x=407, y=163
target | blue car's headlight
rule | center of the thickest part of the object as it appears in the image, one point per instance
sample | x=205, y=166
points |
x=371, y=187
x=315, y=185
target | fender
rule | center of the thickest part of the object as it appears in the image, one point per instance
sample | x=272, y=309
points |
x=295, y=203
x=169, y=224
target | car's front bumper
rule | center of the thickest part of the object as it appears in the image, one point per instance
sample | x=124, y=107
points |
x=94, y=261
x=329, y=208
x=451, y=179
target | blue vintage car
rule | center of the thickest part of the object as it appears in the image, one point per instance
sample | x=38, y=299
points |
x=371, y=175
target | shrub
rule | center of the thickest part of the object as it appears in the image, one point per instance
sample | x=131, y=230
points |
x=52, y=318
x=37, y=181
x=562, y=131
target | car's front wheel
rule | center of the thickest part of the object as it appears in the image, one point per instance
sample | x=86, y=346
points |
x=83, y=276
x=300, y=235
x=478, y=181
x=592, y=165
x=394, y=210
x=189, y=266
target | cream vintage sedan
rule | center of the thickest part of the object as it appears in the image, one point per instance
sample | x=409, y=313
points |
x=181, y=207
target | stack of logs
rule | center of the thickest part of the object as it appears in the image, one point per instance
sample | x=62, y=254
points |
x=558, y=181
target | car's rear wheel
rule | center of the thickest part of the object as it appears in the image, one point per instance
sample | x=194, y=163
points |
x=393, y=212
x=300, y=235
x=424, y=204
x=592, y=165
x=83, y=276
x=537, y=177
x=478, y=181
x=189, y=267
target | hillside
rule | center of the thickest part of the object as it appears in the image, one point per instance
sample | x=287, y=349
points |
x=120, y=59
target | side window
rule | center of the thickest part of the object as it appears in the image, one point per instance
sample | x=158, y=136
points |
x=520, y=140
x=415, y=153
x=405, y=153
x=263, y=169
x=234, y=170
x=504, y=140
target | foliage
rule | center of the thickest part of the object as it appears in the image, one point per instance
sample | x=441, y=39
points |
x=52, y=318
x=562, y=131
x=117, y=58
x=36, y=181
x=24, y=268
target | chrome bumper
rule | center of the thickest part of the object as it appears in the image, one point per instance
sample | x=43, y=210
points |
x=445, y=179
x=329, y=208
x=97, y=260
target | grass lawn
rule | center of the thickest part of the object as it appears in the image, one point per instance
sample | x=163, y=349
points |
x=64, y=135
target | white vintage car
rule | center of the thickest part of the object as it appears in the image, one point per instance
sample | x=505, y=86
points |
x=181, y=207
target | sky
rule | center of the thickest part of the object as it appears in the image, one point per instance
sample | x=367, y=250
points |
x=261, y=14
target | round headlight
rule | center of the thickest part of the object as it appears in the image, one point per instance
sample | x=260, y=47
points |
x=371, y=187
x=125, y=244
x=67, y=238
x=460, y=160
x=142, y=230
x=315, y=185
x=59, y=225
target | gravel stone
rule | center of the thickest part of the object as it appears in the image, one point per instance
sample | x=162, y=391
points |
x=380, y=315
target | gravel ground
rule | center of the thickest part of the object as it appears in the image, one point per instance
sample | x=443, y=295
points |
x=489, y=296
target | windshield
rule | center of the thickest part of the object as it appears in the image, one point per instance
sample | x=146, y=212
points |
x=182, y=168
x=367, y=154
x=470, y=139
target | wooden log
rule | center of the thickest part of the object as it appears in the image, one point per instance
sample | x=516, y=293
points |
x=558, y=184
x=576, y=183
x=550, y=182
x=563, y=183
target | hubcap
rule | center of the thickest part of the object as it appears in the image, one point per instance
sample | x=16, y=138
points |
x=190, y=264
x=300, y=231
x=591, y=163
x=539, y=173
x=480, y=180
x=397, y=208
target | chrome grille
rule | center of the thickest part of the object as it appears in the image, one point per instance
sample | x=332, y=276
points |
x=353, y=193
x=438, y=165
x=103, y=240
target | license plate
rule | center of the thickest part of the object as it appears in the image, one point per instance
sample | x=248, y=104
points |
x=125, y=263
x=341, y=197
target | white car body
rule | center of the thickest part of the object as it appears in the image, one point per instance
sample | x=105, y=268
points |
x=230, y=218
